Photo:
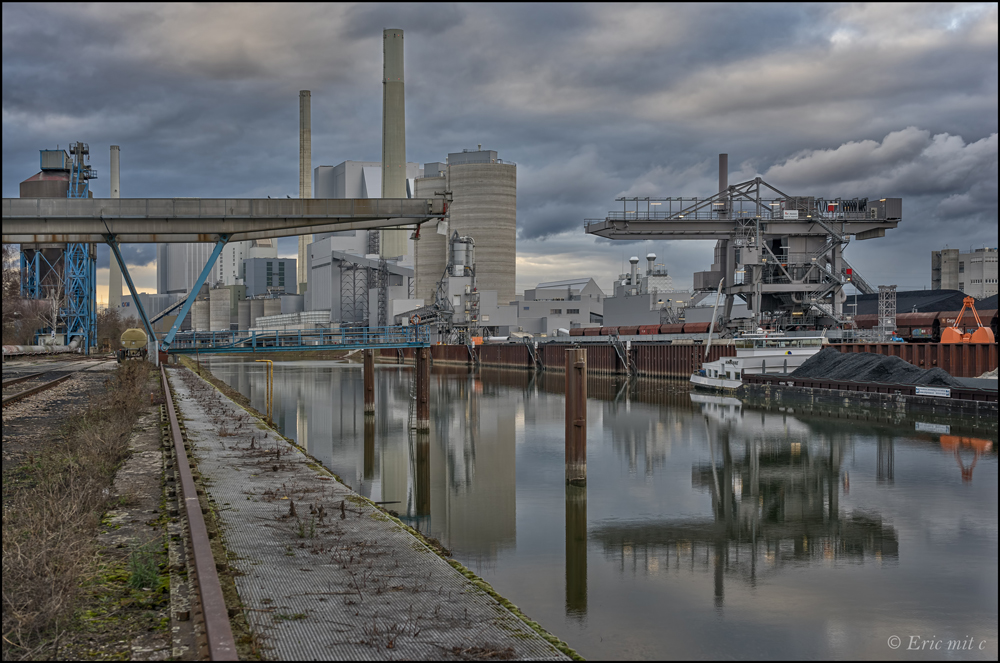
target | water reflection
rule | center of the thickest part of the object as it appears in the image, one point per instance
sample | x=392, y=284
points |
x=576, y=551
x=697, y=513
x=774, y=484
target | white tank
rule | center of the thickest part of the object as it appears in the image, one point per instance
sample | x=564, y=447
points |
x=459, y=252
x=256, y=310
x=200, y=315
x=219, y=309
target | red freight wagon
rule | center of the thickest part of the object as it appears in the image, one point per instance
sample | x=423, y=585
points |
x=696, y=327
x=576, y=331
x=628, y=331
x=649, y=329
x=592, y=331
x=671, y=329
x=608, y=331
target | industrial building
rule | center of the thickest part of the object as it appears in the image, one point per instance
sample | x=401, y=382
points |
x=269, y=275
x=783, y=255
x=974, y=272
x=484, y=206
x=555, y=305
x=645, y=297
x=65, y=273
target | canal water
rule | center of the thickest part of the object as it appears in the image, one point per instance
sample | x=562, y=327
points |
x=706, y=530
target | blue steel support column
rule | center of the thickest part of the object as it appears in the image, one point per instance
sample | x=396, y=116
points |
x=113, y=243
x=80, y=315
x=216, y=252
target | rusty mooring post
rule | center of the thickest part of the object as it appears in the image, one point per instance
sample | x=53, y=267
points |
x=369, y=355
x=576, y=416
x=423, y=369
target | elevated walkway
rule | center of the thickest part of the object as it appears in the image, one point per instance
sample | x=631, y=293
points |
x=413, y=336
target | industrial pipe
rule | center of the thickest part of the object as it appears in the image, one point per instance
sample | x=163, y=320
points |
x=42, y=349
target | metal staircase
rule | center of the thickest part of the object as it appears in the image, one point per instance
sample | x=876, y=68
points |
x=623, y=353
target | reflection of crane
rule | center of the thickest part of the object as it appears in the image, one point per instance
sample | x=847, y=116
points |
x=955, y=443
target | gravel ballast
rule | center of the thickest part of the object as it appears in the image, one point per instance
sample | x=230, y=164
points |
x=830, y=364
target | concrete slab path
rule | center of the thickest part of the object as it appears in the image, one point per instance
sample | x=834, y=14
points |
x=322, y=573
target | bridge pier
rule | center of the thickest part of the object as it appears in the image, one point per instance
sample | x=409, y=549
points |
x=423, y=368
x=576, y=416
x=369, y=363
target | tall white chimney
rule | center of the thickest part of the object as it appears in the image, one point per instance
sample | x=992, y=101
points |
x=393, y=242
x=305, y=182
x=115, y=278
x=634, y=261
x=650, y=259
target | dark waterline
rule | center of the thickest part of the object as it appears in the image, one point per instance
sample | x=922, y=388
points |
x=706, y=530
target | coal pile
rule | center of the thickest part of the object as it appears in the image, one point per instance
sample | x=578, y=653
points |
x=830, y=364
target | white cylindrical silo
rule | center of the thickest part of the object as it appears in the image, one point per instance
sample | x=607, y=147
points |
x=200, y=315
x=484, y=207
x=243, y=314
x=256, y=310
x=218, y=312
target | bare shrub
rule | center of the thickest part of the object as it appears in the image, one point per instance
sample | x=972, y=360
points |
x=52, y=510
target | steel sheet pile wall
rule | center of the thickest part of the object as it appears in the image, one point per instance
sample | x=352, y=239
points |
x=516, y=356
x=676, y=361
x=963, y=360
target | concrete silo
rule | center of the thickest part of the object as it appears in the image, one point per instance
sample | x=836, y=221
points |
x=219, y=309
x=431, y=253
x=484, y=207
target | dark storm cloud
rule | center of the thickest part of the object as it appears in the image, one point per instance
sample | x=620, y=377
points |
x=592, y=101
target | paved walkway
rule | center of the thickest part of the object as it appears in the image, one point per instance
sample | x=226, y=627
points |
x=333, y=578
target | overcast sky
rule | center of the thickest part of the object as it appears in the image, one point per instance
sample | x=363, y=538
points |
x=591, y=102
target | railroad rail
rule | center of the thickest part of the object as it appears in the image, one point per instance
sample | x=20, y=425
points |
x=218, y=632
x=40, y=388
x=23, y=378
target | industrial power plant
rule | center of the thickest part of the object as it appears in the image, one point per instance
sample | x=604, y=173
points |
x=336, y=410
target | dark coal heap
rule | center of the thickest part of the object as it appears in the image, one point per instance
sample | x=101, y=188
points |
x=830, y=364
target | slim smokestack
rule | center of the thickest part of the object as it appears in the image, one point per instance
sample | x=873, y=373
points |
x=394, y=242
x=723, y=182
x=115, y=278
x=634, y=261
x=305, y=181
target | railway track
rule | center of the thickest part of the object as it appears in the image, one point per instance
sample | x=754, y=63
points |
x=31, y=391
x=205, y=600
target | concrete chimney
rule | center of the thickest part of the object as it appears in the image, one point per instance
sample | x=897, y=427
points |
x=634, y=261
x=115, y=278
x=723, y=184
x=305, y=182
x=650, y=259
x=393, y=242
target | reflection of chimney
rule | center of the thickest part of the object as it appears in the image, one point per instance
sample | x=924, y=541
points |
x=393, y=242
x=650, y=259
x=115, y=278
x=634, y=261
x=305, y=181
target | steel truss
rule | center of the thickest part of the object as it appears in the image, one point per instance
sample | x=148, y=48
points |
x=781, y=254
x=354, y=281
